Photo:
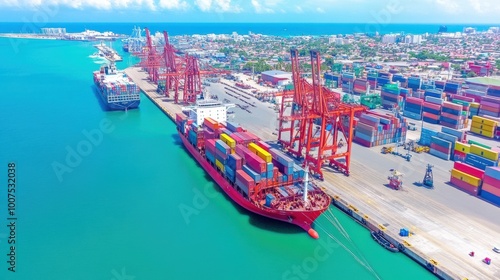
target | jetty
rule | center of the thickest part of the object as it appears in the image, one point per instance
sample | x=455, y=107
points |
x=108, y=52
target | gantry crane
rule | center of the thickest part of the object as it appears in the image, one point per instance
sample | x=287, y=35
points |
x=312, y=128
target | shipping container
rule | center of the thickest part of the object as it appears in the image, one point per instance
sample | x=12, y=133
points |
x=468, y=188
x=483, y=152
x=263, y=154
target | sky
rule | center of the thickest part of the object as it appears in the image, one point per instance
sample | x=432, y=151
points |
x=322, y=11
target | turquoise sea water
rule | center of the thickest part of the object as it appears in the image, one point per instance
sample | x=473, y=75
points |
x=115, y=211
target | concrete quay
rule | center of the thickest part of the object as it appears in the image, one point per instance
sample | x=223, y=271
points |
x=446, y=223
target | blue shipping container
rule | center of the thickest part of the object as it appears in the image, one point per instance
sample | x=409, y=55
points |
x=210, y=156
x=255, y=176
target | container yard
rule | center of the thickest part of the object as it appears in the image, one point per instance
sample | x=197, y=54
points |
x=444, y=223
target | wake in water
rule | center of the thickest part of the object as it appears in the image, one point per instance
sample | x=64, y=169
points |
x=357, y=253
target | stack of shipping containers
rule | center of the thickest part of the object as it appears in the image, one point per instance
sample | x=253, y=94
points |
x=490, y=190
x=432, y=107
x=379, y=129
x=244, y=159
x=490, y=106
x=414, y=83
x=390, y=96
x=453, y=115
x=360, y=86
x=372, y=79
x=484, y=126
x=347, y=82
x=477, y=171
x=413, y=108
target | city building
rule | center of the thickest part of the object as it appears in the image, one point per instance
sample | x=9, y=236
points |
x=389, y=38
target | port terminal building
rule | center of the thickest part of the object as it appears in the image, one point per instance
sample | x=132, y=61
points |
x=276, y=77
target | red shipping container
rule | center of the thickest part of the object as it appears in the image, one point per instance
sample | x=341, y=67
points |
x=211, y=123
x=275, y=172
x=414, y=100
x=451, y=105
x=256, y=163
x=220, y=154
x=440, y=148
x=362, y=142
x=468, y=188
x=263, y=145
x=210, y=145
x=430, y=116
x=491, y=189
x=236, y=138
x=180, y=117
x=463, y=98
x=252, y=137
x=451, y=116
x=468, y=169
x=432, y=106
x=245, y=178
x=491, y=181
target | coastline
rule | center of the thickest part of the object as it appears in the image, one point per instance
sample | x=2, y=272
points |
x=27, y=36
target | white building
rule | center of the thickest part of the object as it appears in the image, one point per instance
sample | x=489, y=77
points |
x=389, y=39
x=208, y=108
x=416, y=39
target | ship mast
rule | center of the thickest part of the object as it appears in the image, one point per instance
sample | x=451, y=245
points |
x=306, y=183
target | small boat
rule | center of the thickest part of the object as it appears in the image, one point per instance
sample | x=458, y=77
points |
x=496, y=250
x=384, y=242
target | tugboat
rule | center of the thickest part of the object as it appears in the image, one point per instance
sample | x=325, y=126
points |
x=384, y=242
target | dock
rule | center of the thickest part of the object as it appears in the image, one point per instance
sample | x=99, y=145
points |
x=445, y=224
x=108, y=52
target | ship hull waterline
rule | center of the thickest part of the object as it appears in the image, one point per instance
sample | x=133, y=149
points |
x=117, y=106
x=303, y=219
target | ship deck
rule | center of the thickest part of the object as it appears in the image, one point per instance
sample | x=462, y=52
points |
x=446, y=223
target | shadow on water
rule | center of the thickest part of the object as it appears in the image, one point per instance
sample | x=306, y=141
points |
x=254, y=219
x=99, y=98
x=177, y=141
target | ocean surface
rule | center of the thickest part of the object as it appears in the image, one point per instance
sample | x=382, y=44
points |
x=279, y=29
x=113, y=195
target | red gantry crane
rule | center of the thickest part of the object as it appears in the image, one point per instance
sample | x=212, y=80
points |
x=312, y=128
x=151, y=60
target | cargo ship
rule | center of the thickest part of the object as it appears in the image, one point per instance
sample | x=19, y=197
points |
x=261, y=179
x=116, y=89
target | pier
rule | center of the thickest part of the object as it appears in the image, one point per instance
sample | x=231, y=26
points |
x=108, y=52
x=445, y=224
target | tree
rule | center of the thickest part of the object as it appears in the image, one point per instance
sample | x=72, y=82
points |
x=471, y=74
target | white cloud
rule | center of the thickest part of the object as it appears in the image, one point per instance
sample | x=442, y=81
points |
x=220, y=6
x=204, y=5
x=172, y=4
x=262, y=9
x=299, y=9
x=450, y=6
x=320, y=10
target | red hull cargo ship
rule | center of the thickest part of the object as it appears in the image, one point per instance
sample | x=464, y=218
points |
x=259, y=178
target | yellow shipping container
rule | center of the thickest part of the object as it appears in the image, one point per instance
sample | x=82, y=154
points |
x=478, y=119
x=489, y=134
x=466, y=177
x=483, y=152
x=228, y=140
x=263, y=154
x=219, y=165
x=461, y=147
x=484, y=127
x=474, y=105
